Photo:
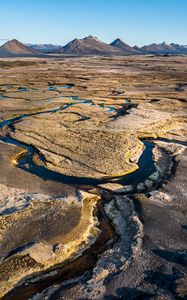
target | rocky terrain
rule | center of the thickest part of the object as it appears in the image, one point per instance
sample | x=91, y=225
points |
x=92, y=184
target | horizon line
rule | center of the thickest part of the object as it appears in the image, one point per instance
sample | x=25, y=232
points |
x=63, y=44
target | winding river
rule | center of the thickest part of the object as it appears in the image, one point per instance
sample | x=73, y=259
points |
x=89, y=257
x=145, y=163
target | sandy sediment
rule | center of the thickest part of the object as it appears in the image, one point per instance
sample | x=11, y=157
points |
x=45, y=223
x=45, y=233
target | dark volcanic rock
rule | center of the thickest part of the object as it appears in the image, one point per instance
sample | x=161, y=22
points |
x=124, y=48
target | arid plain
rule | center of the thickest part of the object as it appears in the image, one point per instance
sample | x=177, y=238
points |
x=93, y=188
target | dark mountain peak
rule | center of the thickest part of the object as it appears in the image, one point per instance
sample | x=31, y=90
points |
x=75, y=40
x=118, y=42
x=136, y=47
x=124, y=48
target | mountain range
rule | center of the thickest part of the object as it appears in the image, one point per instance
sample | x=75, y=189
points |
x=89, y=46
x=45, y=48
x=164, y=48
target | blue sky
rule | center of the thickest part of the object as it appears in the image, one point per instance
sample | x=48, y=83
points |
x=59, y=21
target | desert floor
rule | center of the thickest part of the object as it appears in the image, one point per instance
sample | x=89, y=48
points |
x=93, y=188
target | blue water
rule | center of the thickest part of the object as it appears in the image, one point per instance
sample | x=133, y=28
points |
x=65, y=86
x=146, y=165
x=52, y=88
x=24, y=89
x=2, y=96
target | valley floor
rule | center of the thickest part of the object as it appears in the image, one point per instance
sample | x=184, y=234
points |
x=93, y=178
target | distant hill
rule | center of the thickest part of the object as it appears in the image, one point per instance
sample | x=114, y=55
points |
x=179, y=48
x=88, y=46
x=125, y=48
x=164, y=48
x=44, y=48
x=14, y=47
